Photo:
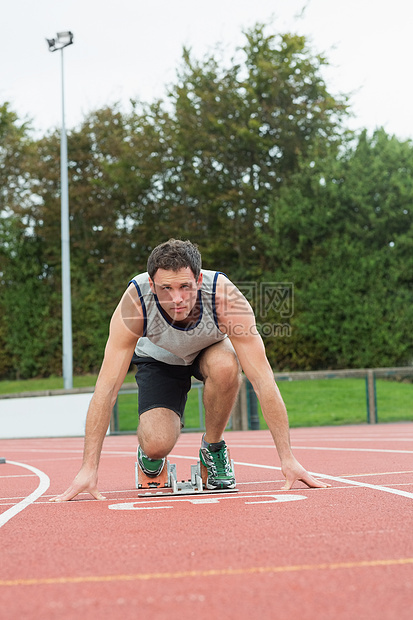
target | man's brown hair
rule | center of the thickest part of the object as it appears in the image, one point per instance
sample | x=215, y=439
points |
x=174, y=255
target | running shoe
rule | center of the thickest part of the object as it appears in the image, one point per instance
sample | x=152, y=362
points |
x=150, y=467
x=220, y=472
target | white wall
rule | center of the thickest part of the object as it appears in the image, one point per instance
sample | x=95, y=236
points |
x=44, y=416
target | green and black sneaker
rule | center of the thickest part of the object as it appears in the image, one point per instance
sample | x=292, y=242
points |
x=220, y=472
x=150, y=467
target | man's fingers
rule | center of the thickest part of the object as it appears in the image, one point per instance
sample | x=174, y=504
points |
x=97, y=495
x=71, y=493
x=314, y=483
x=309, y=480
x=64, y=497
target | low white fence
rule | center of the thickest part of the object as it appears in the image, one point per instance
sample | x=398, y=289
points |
x=54, y=415
x=62, y=413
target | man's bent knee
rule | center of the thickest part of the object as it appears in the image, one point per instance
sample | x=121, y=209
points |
x=226, y=371
x=221, y=366
x=158, y=432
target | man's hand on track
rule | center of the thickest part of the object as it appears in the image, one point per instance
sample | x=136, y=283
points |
x=85, y=482
x=293, y=472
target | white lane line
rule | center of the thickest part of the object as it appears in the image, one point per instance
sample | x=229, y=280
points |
x=105, y=451
x=381, y=473
x=44, y=501
x=19, y=475
x=353, y=449
x=375, y=487
x=297, y=447
x=355, y=439
x=44, y=484
x=48, y=450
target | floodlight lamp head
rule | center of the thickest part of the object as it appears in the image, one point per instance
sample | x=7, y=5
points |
x=63, y=39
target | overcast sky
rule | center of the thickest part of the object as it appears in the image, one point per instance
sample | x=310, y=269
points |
x=132, y=48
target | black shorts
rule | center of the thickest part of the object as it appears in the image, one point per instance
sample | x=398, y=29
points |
x=164, y=385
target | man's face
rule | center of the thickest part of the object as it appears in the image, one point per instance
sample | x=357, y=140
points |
x=176, y=291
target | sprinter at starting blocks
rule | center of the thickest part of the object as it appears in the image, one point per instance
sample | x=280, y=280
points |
x=165, y=482
x=174, y=322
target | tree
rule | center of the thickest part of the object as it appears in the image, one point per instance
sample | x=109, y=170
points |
x=240, y=132
x=15, y=146
x=248, y=158
x=15, y=152
x=343, y=233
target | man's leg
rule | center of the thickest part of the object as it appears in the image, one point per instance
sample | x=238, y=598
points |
x=222, y=378
x=162, y=392
x=158, y=432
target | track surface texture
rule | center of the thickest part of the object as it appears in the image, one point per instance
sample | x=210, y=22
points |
x=339, y=553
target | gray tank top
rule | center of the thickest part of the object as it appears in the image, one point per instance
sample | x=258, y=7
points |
x=168, y=343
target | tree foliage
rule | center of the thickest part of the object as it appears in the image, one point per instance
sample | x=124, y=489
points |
x=250, y=159
x=343, y=232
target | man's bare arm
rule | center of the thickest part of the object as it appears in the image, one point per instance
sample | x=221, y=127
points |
x=237, y=319
x=125, y=328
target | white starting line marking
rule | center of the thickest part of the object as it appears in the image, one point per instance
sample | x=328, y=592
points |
x=149, y=504
x=42, y=488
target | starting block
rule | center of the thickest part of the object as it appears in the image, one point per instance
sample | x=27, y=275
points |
x=168, y=484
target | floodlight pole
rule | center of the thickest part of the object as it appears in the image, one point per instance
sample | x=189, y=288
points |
x=66, y=291
x=63, y=40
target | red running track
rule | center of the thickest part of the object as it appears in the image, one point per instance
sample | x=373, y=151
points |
x=338, y=553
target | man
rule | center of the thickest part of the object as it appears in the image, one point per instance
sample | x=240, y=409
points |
x=178, y=321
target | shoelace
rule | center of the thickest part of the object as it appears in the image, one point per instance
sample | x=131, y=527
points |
x=220, y=460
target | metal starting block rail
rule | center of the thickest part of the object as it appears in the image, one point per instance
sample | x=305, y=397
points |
x=167, y=484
